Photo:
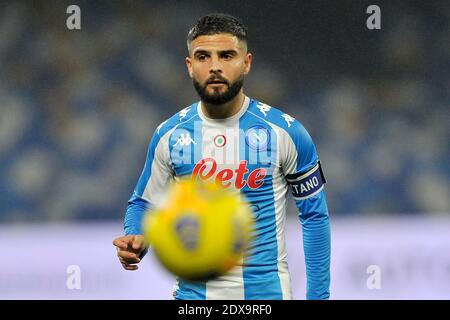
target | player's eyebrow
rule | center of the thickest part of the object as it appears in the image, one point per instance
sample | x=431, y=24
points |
x=197, y=52
x=220, y=52
x=231, y=51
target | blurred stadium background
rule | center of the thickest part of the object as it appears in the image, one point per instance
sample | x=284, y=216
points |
x=77, y=109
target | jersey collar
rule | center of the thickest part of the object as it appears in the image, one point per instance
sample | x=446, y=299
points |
x=228, y=120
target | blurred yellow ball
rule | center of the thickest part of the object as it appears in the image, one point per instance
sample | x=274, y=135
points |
x=200, y=231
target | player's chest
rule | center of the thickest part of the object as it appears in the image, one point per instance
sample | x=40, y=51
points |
x=231, y=156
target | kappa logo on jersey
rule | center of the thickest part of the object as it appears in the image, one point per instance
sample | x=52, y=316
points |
x=288, y=119
x=257, y=138
x=184, y=140
x=206, y=169
x=264, y=108
x=184, y=112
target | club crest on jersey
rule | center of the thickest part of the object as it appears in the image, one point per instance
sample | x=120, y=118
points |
x=206, y=169
x=257, y=138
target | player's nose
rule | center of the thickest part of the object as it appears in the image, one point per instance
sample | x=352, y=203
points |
x=216, y=66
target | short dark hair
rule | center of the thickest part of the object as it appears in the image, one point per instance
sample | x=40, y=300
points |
x=216, y=23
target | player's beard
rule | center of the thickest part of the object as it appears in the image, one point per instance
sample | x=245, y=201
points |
x=218, y=97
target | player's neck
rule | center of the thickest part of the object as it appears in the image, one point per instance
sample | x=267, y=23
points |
x=225, y=110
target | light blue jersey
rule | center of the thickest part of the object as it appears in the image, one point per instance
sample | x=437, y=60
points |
x=260, y=151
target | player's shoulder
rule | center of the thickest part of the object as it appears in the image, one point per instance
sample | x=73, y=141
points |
x=182, y=117
x=277, y=117
x=291, y=130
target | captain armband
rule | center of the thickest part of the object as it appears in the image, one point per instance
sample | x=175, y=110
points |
x=306, y=184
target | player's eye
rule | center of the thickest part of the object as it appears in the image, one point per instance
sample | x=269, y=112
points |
x=227, y=56
x=202, y=57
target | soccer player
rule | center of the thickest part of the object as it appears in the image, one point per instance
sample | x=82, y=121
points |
x=243, y=144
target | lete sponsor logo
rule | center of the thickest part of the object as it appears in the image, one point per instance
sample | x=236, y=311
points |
x=207, y=169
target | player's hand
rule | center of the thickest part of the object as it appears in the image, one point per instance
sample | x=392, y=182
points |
x=129, y=249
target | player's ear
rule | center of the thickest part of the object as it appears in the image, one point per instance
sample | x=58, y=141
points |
x=247, y=62
x=189, y=66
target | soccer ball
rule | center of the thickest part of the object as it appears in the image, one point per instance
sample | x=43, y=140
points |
x=200, y=231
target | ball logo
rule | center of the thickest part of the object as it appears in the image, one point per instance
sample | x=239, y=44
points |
x=187, y=229
x=207, y=169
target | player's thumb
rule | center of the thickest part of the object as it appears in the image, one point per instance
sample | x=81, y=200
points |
x=138, y=242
